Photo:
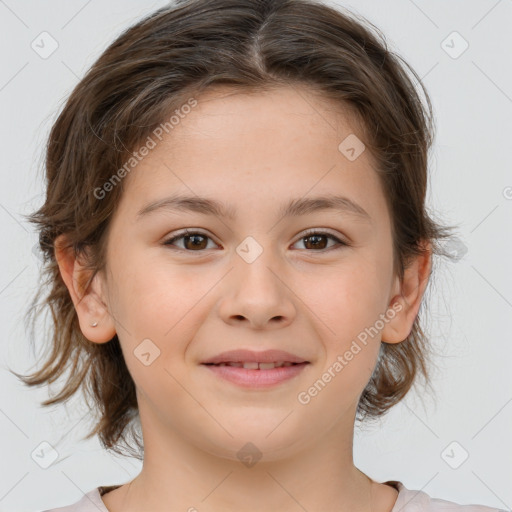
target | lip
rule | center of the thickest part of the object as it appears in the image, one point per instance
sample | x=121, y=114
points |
x=247, y=378
x=266, y=356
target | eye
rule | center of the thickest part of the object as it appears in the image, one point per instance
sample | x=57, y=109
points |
x=313, y=239
x=191, y=239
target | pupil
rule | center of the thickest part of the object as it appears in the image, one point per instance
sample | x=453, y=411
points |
x=315, y=244
x=194, y=237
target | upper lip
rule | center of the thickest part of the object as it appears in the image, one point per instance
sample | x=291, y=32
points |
x=267, y=356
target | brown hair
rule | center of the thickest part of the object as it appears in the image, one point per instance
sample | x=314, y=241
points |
x=151, y=70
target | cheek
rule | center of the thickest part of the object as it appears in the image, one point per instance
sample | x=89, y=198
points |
x=350, y=298
x=155, y=308
x=151, y=293
x=349, y=304
x=160, y=306
x=160, y=303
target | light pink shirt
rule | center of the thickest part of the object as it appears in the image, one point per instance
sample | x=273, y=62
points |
x=407, y=501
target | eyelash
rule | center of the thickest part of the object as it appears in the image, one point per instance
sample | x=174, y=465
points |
x=306, y=234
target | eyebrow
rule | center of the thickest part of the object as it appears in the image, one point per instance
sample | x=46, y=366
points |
x=296, y=207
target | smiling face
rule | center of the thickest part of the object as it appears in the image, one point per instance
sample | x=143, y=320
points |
x=251, y=278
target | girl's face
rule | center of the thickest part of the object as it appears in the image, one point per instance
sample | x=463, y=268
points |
x=249, y=277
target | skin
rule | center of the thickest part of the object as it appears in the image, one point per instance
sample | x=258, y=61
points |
x=254, y=152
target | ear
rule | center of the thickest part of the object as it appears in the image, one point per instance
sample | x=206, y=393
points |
x=407, y=297
x=90, y=304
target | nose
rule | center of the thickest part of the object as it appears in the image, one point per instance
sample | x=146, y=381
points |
x=256, y=295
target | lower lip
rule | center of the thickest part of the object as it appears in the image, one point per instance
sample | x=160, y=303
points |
x=256, y=378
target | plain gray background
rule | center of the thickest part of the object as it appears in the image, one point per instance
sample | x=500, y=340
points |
x=422, y=439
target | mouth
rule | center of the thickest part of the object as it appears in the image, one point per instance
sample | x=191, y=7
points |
x=252, y=360
x=250, y=369
x=255, y=365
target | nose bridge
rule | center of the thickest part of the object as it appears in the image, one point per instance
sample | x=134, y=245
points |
x=255, y=288
x=258, y=267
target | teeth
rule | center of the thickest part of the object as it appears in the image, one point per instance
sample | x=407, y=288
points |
x=253, y=365
x=267, y=366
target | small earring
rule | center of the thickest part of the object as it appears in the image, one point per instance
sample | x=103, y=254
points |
x=94, y=324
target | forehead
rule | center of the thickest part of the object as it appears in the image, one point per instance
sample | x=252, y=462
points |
x=257, y=148
x=299, y=110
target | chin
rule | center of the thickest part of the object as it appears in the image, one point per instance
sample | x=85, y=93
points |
x=264, y=441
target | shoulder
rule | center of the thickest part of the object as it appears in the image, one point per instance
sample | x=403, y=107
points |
x=90, y=502
x=418, y=501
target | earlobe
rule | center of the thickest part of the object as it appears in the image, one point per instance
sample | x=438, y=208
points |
x=96, y=323
x=406, y=303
